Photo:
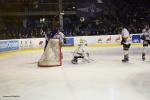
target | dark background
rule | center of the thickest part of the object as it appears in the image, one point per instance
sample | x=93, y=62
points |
x=23, y=18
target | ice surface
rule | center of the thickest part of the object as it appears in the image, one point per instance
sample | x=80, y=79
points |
x=105, y=78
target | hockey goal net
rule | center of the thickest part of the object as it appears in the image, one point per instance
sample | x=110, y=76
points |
x=52, y=54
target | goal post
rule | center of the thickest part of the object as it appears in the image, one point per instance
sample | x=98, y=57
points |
x=52, y=54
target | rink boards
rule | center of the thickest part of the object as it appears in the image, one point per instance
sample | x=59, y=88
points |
x=92, y=41
x=103, y=49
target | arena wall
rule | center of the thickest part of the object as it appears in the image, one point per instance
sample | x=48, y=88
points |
x=29, y=43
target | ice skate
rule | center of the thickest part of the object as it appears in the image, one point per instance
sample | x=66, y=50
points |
x=125, y=60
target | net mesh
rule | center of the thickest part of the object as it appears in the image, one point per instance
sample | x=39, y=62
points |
x=52, y=54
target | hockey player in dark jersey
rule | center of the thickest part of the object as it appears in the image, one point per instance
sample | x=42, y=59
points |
x=44, y=33
x=146, y=40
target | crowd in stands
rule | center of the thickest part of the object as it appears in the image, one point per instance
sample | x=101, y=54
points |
x=133, y=15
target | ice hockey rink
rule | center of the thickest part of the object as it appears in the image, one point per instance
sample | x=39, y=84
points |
x=104, y=78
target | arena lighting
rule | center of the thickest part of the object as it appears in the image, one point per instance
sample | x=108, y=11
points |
x=73, y=7
x=99, y=1
x=82, y=19
x=62, y=13
x=91, y=8
x=42, y=20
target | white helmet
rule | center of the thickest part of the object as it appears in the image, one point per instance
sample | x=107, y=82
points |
x=83, y=42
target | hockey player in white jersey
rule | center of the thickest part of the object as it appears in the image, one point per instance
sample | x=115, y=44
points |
x=146, y=40
x=81, y=52
x=59, y=35
x=126, y=42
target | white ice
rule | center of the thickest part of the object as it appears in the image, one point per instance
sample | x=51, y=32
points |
x=105, y=78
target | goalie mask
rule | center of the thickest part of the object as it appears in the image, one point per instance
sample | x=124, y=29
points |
x=83, y=43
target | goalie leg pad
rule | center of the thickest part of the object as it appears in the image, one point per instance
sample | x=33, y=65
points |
x=86, y=60
x=75, y=59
